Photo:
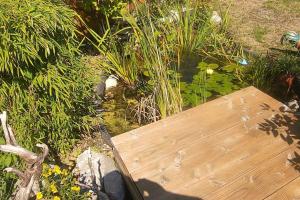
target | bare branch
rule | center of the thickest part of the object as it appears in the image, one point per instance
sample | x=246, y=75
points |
x=12, y=136
x=16, y=171
x=3, y=118
x=28, y=156
x=29, y=187
x=45, y=150
x=30, y=176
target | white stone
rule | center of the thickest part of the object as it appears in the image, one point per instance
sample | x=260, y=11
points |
x=293, y=105
x=215, y=18
x=111, y=82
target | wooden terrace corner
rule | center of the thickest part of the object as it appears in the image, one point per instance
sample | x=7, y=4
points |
x=240, y=146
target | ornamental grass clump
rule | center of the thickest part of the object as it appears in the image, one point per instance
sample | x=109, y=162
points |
x=157, y=41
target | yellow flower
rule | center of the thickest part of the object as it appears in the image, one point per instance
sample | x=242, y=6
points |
x=53, y=188
x=64, y=172
x=89, y=194
x=45, y=166
x=209, y=71
x=56, y=169
x=39, y=195
x=45, y=175
x=75, y=188
x=56, y=198
x=49, y=172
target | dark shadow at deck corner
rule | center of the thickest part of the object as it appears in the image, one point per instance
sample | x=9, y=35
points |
x=146, y=186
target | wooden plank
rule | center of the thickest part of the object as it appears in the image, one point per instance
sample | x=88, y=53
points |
x=189, y=126
x=217, y=139
x=268, y=177
x=288, y=192
x=220, y=160
x=154, y=129
x=132, y=187
x=202, y=152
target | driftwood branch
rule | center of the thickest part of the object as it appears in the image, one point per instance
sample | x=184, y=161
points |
x=31, y=175
x=15, y=171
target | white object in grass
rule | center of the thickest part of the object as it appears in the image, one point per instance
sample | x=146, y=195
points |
x=215, y=18
x=173, y=16
x=111, y=82
x=209, y=71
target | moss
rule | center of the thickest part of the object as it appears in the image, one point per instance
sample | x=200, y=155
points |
x=117, y=116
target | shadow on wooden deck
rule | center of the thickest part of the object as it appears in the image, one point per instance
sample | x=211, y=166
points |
x=144, y=183
x=241, y=146
x=290, y=135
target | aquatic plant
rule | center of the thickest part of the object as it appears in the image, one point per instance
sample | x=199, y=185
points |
x=211, y=81
x=147, y=54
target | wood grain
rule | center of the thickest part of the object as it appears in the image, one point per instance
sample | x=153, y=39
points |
x=209, y=151
x=288, y=192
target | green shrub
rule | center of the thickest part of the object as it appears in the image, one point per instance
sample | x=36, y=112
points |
x=106, y=7
x=264, y=71
x=94, y=12
x=43, y=84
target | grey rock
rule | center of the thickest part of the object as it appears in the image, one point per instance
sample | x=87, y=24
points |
x=107, y=176
x=114, y=185
x=100, y=89
x=103, y=196
x=101, y=86
x=86, y=171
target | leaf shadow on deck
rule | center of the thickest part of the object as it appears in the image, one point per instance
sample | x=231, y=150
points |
x=163, y=194
x=286, y=125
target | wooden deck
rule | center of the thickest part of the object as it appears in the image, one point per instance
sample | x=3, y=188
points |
x=240, y=146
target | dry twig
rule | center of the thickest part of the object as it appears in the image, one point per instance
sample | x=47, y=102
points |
x=31, y=175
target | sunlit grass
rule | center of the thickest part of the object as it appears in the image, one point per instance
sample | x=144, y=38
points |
x=259, y=32
x=292, y=6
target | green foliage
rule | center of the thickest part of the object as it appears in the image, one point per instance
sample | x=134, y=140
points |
x=43, y=84
x=7, y=182
x=211, y=81
x=106, y=7
x=259, y=73
x=264, y=71
x=157, y=41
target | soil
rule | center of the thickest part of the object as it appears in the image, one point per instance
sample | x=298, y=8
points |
x=94, y=141
x=259, y=24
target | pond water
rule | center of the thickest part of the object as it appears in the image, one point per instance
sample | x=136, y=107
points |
x=119, y=116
